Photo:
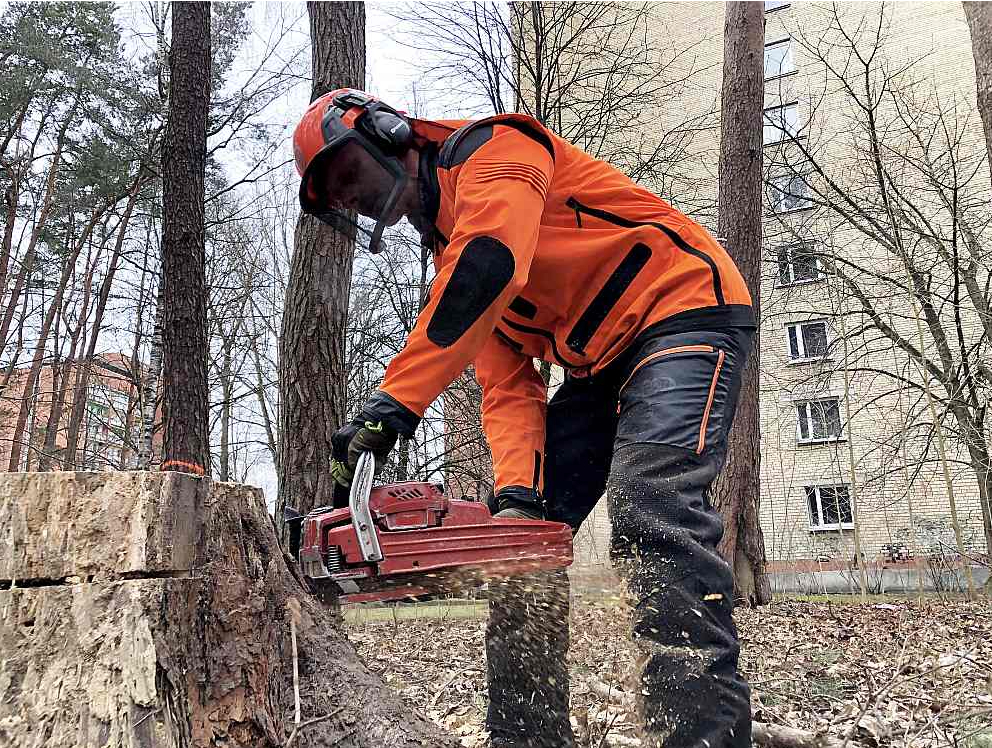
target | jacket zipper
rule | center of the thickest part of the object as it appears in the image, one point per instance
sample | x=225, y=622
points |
x=673, y=235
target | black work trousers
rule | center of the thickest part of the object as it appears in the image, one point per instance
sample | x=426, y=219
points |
x=650, y=431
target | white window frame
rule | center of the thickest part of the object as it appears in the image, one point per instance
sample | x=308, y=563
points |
x=816, y=524
x=804, y=409
x=783, y=128
x=790, y=250
x=804, y=356
x=803, y=202
x=788, y=65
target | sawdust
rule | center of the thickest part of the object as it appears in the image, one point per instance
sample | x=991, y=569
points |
x=897, y=673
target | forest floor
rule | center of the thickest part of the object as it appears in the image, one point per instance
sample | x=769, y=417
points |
x=899, y=672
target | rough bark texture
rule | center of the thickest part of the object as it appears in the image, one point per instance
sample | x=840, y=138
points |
x=736, y=492
x=311, y=347
x=183, y=284
x=979, y=17
x=170, y=652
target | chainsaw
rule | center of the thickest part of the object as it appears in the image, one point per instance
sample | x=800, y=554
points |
x=409, y=540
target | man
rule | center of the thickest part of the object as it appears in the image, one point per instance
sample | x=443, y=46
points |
x=543, y=252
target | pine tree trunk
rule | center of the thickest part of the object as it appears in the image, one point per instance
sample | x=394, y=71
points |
x=311, y=347
x=979, y=17
x=184, y=307
x=736, y=492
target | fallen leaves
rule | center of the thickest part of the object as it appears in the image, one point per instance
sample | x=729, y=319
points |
x=901, y=673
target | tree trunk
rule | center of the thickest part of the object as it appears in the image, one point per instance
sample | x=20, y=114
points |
x=979, y=17
x=175, y=622
x=183, y=290
x=149, y=392
x=227, y=391
x=311, y=346
x=65, y=374
x=27, y=262
x=736, y=492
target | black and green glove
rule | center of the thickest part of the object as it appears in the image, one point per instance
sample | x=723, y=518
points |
x=375, y=429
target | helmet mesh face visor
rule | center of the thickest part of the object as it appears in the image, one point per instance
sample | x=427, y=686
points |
x=352, y=179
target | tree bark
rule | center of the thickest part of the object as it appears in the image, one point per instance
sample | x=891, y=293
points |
x=183, y=285
x=979, y=17
x=736, y=492
x=311, y=346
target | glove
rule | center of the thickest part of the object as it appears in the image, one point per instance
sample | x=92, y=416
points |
x=375, y=429
x=348, y=442
x=516, y=502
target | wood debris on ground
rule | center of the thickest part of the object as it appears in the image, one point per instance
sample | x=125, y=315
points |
x=900, y=673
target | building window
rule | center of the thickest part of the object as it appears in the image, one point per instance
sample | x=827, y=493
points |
x=818, y=421
x=778, y=59
x=829, y=508
x=773, y=5
x=780, y=122
x=797, y=264
x=788, y=192
x=807, y=341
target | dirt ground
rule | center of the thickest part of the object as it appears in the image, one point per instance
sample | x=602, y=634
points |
x=892, y=672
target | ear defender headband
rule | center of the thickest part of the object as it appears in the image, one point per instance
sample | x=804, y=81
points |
x=381, y=131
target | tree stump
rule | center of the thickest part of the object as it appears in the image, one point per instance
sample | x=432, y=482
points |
x=153, y=610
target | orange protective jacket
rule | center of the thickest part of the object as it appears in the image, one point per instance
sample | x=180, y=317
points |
x=544, y=252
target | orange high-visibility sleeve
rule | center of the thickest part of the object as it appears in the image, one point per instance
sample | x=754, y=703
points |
x=514, y=413
x=499, y=199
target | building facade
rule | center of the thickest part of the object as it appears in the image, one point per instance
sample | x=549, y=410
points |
x=876, y=183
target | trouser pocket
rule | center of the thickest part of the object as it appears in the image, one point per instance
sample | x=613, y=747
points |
x=677, y=395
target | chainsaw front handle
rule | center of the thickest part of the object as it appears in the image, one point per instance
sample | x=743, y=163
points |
x=361, y=514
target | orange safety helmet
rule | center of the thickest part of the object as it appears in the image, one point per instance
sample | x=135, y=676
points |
x=341, y=117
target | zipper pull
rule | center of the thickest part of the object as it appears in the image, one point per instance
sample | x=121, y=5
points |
x=574, y=205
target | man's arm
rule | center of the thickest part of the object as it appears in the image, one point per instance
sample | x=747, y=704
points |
x=514, y=409
x=500, y=196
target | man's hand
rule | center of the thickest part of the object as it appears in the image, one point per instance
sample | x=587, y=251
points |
x=348, y=442
x=374, y=430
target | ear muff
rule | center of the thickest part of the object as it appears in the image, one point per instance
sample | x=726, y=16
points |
x=385, y=126
x=391, y=128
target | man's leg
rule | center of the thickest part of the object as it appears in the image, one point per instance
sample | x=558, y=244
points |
x=676, y=410
x=527, y=635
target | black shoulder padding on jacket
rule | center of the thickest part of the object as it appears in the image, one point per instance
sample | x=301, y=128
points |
x=463, y=143
x=483, y=270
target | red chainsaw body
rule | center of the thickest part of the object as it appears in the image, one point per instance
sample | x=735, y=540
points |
x=428, y=542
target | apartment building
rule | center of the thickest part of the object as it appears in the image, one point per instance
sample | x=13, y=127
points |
x=852, y=91
x=109, y=433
